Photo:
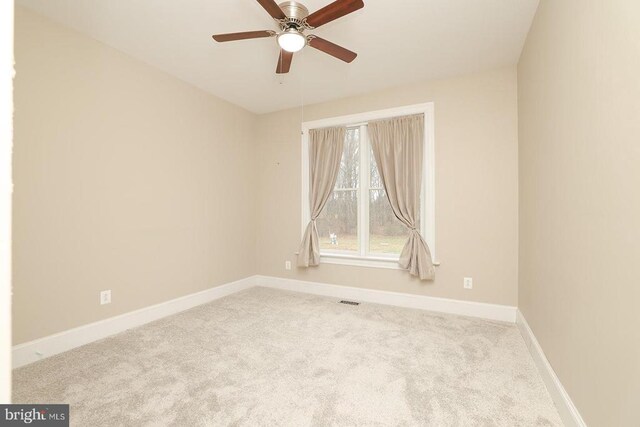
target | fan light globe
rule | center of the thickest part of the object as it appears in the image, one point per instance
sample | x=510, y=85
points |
x=291, y=40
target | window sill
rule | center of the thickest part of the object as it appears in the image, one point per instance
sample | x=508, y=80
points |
x=358, y=261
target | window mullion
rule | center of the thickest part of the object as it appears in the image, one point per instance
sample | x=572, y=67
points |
x=365, y=180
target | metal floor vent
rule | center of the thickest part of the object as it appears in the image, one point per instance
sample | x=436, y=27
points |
x=349, y=302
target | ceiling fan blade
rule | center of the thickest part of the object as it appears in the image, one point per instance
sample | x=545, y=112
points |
x=284, y=62
x=332, y=49
x=272, y=9
x=229, y=37
x=333, y=11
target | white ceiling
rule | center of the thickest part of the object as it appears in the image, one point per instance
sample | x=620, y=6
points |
x=397, y=42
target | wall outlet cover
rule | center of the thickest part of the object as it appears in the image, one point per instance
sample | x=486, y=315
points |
x=105, y=297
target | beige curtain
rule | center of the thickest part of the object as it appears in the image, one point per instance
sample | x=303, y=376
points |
x=398, y=146
x=325, y=153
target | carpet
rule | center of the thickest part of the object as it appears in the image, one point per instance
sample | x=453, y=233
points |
x=275, y=358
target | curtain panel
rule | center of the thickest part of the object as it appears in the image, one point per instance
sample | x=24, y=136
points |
x=398, y=147
x=325, y=154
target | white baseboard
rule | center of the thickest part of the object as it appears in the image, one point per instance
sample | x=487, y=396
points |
x=567, y=410
x=503, y=313
x=33, y=351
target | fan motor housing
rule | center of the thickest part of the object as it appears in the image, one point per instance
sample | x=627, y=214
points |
x=295, y=11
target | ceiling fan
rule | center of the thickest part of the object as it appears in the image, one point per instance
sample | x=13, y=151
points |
x=293, y=19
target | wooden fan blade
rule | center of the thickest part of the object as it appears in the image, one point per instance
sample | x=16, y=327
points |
x=333, y=11
x=332, y=49
x=229, y=37
x=284, y=62
x=272, y=9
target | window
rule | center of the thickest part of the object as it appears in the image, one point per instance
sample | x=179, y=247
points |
x=357, y=225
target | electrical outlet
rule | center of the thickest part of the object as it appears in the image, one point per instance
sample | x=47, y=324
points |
x=468, y=283
x=287, y=265
x=105, y=297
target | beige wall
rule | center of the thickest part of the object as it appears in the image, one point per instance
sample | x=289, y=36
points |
x=476, y=189
x=125, y=179
x=6, y=139
x=579, y=125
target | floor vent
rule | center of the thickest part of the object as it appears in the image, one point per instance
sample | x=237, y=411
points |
x=349, y=302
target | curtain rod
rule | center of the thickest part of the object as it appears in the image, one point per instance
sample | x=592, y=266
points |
x=353, y=125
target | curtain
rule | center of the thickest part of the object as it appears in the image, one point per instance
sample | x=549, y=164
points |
x=325, y=153
x=398, y=146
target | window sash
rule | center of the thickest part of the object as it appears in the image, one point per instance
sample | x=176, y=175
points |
x=363, y=201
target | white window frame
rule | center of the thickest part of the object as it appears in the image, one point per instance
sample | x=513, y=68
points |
x=427, y=209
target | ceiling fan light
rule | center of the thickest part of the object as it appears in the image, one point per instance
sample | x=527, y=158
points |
x=291, y=40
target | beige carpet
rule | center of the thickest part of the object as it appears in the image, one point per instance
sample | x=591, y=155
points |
x=268, y=357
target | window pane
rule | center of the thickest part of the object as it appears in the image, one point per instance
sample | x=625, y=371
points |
x=387, y=235
x=349, y=174
x=376, y=181
x=338, y=222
